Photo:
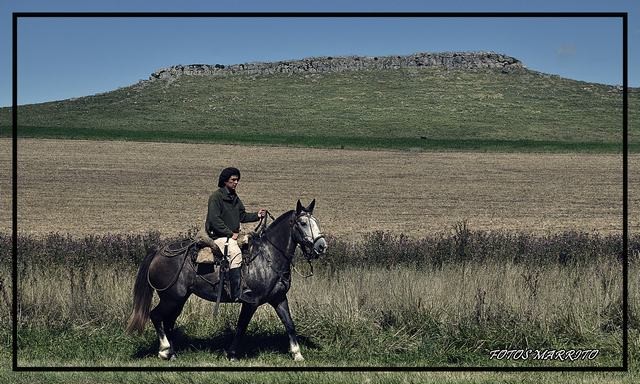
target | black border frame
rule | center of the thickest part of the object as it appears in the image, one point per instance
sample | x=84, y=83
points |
x=625, y=271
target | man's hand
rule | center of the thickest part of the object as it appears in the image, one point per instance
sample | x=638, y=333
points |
x=235, y=236
x=262, y=212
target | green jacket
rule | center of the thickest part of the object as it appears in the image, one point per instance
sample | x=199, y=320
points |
x=225, y=214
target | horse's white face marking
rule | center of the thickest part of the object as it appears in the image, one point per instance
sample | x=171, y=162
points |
x=311, y=238
x=315, y=229
x=310, y=227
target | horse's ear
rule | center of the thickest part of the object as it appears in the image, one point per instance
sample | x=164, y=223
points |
x=311, y=206
x=298, y=207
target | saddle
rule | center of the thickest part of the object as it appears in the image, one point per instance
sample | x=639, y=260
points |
x=195, y=249
x=208, y=252
x=177, y=248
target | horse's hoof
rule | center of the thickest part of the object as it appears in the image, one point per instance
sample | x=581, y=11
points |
x=166, y=355
x=298, y=357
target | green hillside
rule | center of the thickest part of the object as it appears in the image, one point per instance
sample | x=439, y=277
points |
x=430, y=108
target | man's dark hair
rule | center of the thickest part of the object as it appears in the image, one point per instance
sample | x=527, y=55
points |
x=226, y=174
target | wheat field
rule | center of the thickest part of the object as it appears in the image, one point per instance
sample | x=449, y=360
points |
x=82, y=187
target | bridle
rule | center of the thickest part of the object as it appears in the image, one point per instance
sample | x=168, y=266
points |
x=308, y=242
x=303, y=241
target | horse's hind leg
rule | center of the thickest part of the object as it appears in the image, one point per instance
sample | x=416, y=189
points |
x=164, y=317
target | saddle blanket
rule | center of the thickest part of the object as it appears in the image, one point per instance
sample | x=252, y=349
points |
x=205, y=256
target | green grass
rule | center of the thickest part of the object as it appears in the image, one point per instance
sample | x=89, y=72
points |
x=342, y=320
x=415, y=309
x=492, y=291
x=328, y=377
x=428, y=109
x=396, y=143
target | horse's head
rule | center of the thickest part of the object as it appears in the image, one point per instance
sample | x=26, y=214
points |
x=307, y=233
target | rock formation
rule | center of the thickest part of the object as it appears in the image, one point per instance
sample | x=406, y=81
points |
x=449, y=60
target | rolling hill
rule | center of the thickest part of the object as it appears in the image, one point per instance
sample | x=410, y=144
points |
x=420, y=107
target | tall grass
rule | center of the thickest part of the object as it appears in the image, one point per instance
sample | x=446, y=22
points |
x=454, y=314
x=384, y=300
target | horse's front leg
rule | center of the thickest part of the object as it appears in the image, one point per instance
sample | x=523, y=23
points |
x=246, y=313
x=282, y=309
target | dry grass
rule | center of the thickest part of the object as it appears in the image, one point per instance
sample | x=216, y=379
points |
x=472, y=308
x=85, y=187
x=475, y=291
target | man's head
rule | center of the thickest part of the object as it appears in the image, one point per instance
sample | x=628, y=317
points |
x=229, y=178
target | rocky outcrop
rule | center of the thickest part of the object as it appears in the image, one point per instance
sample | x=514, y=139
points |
x=449, y=60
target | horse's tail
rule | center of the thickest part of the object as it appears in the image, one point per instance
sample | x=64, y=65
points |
x=142, y=295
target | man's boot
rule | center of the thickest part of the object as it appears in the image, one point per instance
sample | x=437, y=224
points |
x=236, y=290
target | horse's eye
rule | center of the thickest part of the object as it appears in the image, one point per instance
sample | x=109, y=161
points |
x=304, y=224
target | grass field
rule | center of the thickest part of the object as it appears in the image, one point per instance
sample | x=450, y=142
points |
x=452, y=314
x=86, y=187
x=449, y=317
x=427, y=109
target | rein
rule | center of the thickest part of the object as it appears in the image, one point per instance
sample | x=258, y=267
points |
x=284, y=253
x=263, y=222
x=300, y=274
x=290, y=260
x=260, y=229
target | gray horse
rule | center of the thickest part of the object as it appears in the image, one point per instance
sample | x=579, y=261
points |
x=267, y=272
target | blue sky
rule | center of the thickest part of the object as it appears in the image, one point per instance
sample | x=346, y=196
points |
x=61, y=58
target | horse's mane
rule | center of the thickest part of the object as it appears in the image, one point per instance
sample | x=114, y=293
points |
x=255, y=237
x=280, y=218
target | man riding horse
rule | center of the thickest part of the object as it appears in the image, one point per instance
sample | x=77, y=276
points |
x=224, y=215
x=175, y=277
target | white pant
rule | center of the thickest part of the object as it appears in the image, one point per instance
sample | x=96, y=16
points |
x=234, y=254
